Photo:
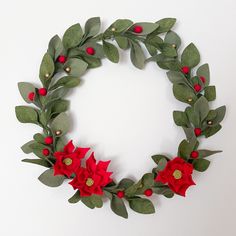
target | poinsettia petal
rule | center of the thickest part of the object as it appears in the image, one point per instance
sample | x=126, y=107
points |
x=91, y=163
x=103, y=165
x=69, y=148
x=81, y=152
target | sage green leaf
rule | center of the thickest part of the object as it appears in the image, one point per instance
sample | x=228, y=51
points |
x=118, y=207
x=77, y=67
x=205, y=153
x=154, y=41
x=201, y=107
x=173, y=39
x=122, y=42
x=157, y=158
x=37, y=149
x=26, y=114
x=98, y=48
x=168, y=50
x=121, y=25
x=48, y=178
x=92, y=61
x=60, y=106
x=209, y=131
x=125, y=183
x=165, y=25
x=66, y=81
x=204, y=71
x=137, y=56
x=26, y=88
x=39, y=138
x=164, y=190
x=43, y=118
x=111, y=52
x=141, y=205
x=147, y=27
x=210, y=93
x=189, y=132
x=148, y=180
x=93, y=201
x=41, y=162
x=201, y=164
x=56, y=95
x=130, y=191
x=185, y=149
x=184, y=94
x=220, y=114
x=161, y=164
x=75, y=198
x=55, y=47
x=211, y=115
x=60, y=144
x=92, y=27
x=151, y=49
x=190, y=56
x=72, y=36
x=180, y=118
x=193, y=117
x=62, y=123
x=26, y=147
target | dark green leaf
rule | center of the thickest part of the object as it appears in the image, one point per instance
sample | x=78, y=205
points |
x=120, y=25
x=122, y=42
x=201, y=108
x=26, y=147
x=75, y=198
x=66, y=81
x=141, y=205
x=180, y=118
x=176, y=77
x=173, y=39
x=77, y=67
x=205, y=72
x=147, y=27
x=92, y=27
x=40, y=162
x=137, y=56
x=157, y=158
x=201, y=164
x=60, y=106
x=205, y=153
x=220, y=114
x=212, y=130
x=118, y=207
x=165, y=24
x=125, y=183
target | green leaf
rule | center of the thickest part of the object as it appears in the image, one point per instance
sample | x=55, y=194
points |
x=157, y=158
x=209, y=131
x=93, y=201
x=122, y=42
x=48, y=178
x=66, y=81
x=92, y=61
x=56, y=95
x=161, y=164
x=62, y=123
x=39, y=138
x=118, y=207
x=26, y=88
x=147, y=27
x=137, y=56
x=173, y=39
x=220, y=114
x=189, y=132
x=176, y=77
x=185, y=149
x=26, y=114
x=40, y=162
x=167, y=50
x=55, y=47
x=204, y=71
x=180, y=118
x=92, y=27
x=37, y=149
x=60, y=106
x=210, y=93
x=111, y=52
x=98, y=48
x=77, y=67
x=193, y=117
x=164, y=190
x=141, y=205
x=75, y=198
x=201, y=164
x=201, y=107
x=121, y=25
x=148, y=180
x=205, y=153
x=26, y=147
x=190, y=56
x=165, y=25
x=125, y=183
x=72, y=36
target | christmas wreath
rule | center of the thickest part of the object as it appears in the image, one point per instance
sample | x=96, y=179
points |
x=66, y=60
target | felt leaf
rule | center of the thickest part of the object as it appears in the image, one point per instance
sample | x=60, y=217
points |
x=165, y=24
x=204, y=71
x=72, y=36
x=141, y=205
x=201, y=107
x=125, y=183
x=209, y=131
x=55, y=47
x=66, y=81
x=26, y=88
x=92, y=61
x=189, y=132
x=154, y=41
x=60, y=144
x=148, y=180
x=118, y=207
x=121, y=25
x=193, y=117
x=39, y=138
x=48, y=178
x=26, y=147
x=56, y=95
x=205, y=153
x=190, y=56
x=26, y=114
x=61, y=123
x=210, y=93
x=37, y=149
x=130, y=191
x=60, y=106
x=167, y=63
x=98, y=48
x=168, y=50
x=201, y=164
x=75, y=198
x=77, y=67
x=41, y=162
x=122, y=42
x=183, y=93
x=180, y=118
x=92, y=27
x=164, y=190
x=157, y=158
x=161, y=164
x=173, y=39
x=185, y=149
x=146, y=26
x=137, y=56
x=220, y=114
x=151, y=49
x=111, y=52
x=93, y=201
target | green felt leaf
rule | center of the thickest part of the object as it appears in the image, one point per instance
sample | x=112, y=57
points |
x=125, y=183
x=92, y=61
x=60, y=144
x=98, y=48
x=148, y=180
x=141, y=205
x=121, y=25
x=48, y=178
x=43, y=118
x=93, y=201
x=56, y=95
x=60, y=106
x=77, y=67
x=205, y=153
x=122, y=42
x=72, y=36
x=75, y=198
x=92, y=27
x=220, y=114
x=66, y=81
x=118, y=207
x=180, y=118
x=209, y=131
x=164, y=190
x=62, y=123
x=201, y=107
x=185, y=149
x=157, y=158
x=130, y=191
x=26, y=88
x=137, y=56
x=210, y=93
x=26, y=114
x=204, y=71
x=147, y=27
x=111, y=52
x=190, y=56
x=37, y=149
x=40, y=162
x=151, y=49
x=189, y=132
x=154, y=41
x=26, y=147
x=201, y=164
x=161, y=164
x=183, y=93
x=173, y=39
x=55, y=47
x=168, y=50
x=165, y=24
x=39, y=138
x=193, y=117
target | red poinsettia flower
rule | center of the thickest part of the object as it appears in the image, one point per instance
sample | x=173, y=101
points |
x=68, y=161
x=178, y=175
x=93, y=178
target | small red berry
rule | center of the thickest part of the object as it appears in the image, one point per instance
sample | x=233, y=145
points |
x=197, y=87
x=138, y=29
x=46, y=152
x=203, y=79
x=42, y=91
x=197, y=131
x=31, y=96
x=90, y=51
x=62, y=59
x=194, y=154
x=120, y=194
x=148, y=192
x=185, y=69
x=48, y=140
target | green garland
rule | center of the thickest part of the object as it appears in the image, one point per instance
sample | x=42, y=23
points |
x=62, y=66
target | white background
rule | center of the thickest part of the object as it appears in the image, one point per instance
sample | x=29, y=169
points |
x=124, y=114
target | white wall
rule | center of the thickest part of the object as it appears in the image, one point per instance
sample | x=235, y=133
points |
x=124, y=114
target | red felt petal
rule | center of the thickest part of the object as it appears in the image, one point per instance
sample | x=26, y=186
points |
x=103, y=165
x=91, y=163
x=69, y=148
x=81, y=152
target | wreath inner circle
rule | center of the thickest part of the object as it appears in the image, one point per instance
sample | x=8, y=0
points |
x=62, y=66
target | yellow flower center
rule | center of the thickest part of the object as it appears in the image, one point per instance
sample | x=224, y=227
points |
x=177, y=174
x=89, y=182
x=67, y=161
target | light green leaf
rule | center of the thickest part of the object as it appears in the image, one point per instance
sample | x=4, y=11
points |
x=176, y=77
x=173, y=39
x=118, y=207
x=77, y=67
x=66, y=81
x=62, y=123
x=26, y=147
x=121, y=25
x=122, y=42
x=165, y=24
x=147, y=27
x=60, y=106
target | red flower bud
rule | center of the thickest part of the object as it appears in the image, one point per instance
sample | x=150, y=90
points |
x=90, y=51
x=62, y=59
x=197, y=131
x=48, y=140
x=31, y=96
x=197, y=87
x=46, y=152
x=120, y=194
x=138, y=29
x=185, y=69
x=194, y=154
x=43, y=92
x=148, y=192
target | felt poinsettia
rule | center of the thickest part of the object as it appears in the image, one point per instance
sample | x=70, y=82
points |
x=93, y=178
x=178, y=175
x=68, y=161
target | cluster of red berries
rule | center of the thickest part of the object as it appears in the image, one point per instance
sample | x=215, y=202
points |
x=48, y=141
x=42, y=92
x=147, y=193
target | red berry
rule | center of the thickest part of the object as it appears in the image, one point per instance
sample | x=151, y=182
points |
x=48, y=140
x=120, y=194
x=42, y=91
x=90, y=51
x=46, y=152
x=203, y=79
x=138, y=29
x=31, y=96
x=185, y=69
x=148, y=192
x=194, y=154
x=197, y=87
x=197, y=131
x=62, y=59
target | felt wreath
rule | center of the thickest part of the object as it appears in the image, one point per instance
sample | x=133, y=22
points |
x=62, y=66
